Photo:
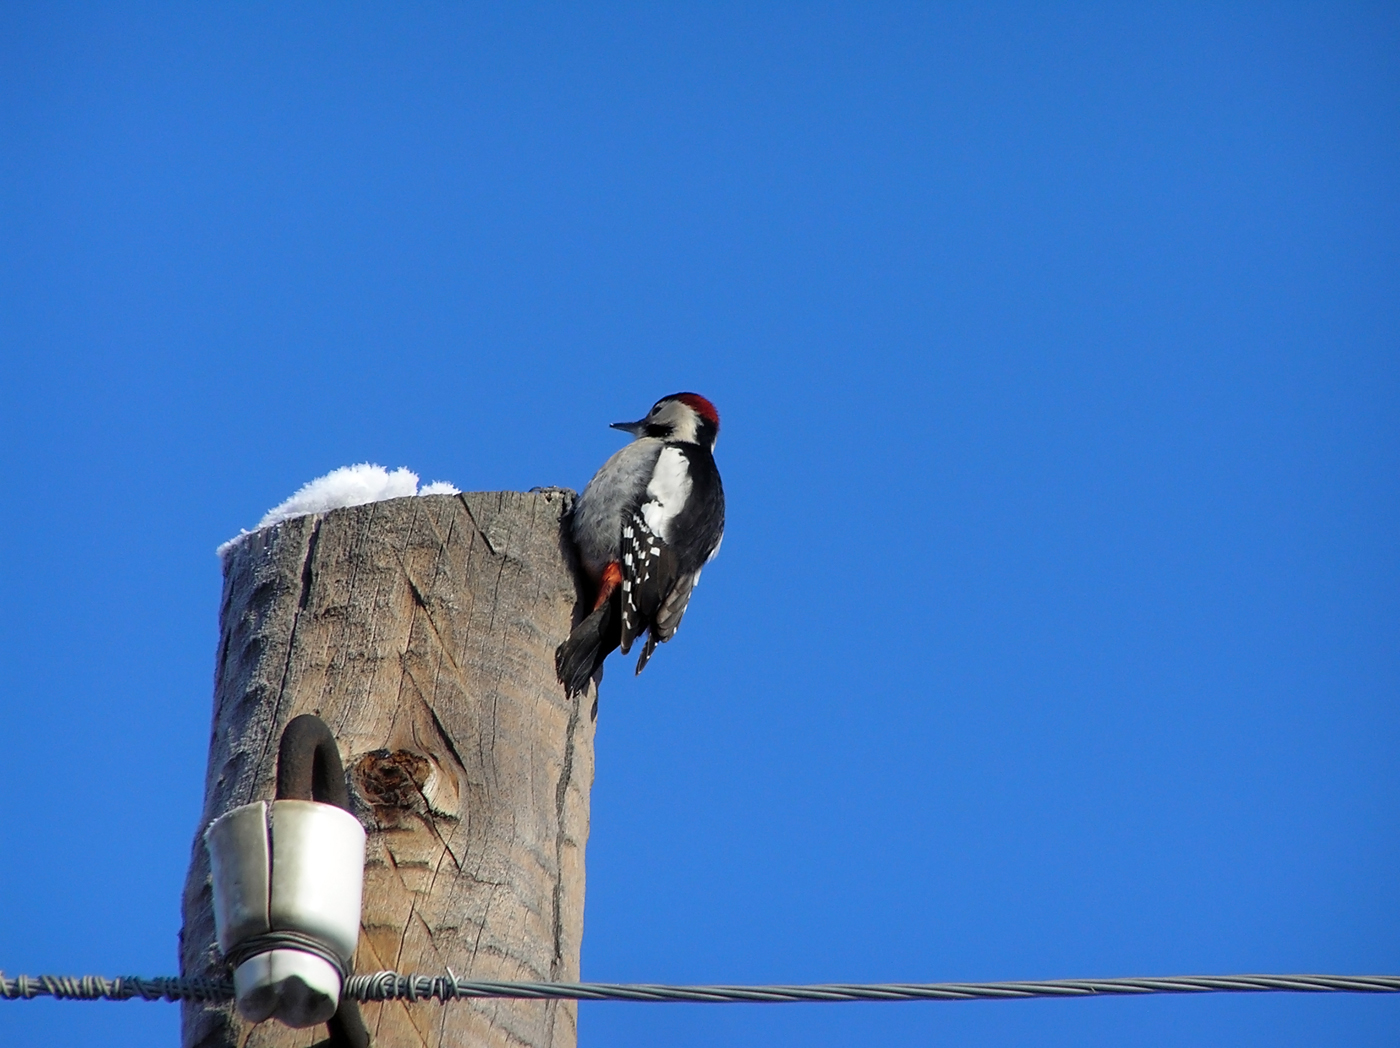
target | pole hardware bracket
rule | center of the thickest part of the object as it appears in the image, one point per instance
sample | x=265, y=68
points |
x=288, y=879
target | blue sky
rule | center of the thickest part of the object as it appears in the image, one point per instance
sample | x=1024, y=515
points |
x=1055, y=630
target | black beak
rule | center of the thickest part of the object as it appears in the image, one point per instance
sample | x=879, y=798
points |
x=635, y=428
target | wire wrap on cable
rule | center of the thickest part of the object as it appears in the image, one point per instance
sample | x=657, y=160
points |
x=122, y=988
x=391, y=986
x=256, y=945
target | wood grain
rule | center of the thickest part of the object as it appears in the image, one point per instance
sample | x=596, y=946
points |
x=422, y=630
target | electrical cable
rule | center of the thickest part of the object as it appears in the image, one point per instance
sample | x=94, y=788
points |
x=391, y=986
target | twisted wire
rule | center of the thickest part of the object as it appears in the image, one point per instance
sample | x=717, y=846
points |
x=383, y=986
x=122, y=988
x=391, y=986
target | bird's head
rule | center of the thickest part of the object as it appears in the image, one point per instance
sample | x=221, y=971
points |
x=684, y=417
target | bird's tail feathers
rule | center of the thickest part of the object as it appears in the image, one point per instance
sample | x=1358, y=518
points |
x=592, y=640
x=647, y=649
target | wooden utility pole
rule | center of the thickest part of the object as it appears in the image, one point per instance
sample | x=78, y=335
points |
x=422, y=631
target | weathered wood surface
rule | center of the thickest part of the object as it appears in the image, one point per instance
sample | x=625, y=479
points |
x=422, y=630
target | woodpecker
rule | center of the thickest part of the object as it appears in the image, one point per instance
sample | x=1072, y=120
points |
x=645, y=525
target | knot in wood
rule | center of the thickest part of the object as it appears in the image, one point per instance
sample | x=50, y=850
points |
x=393, y=779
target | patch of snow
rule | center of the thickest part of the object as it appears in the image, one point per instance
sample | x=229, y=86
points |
x=346, y=486
x=439, y=487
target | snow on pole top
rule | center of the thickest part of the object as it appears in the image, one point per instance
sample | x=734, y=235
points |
x=346, y=486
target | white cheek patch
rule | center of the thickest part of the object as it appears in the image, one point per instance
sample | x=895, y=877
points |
x=681, y=420
x=666, y=494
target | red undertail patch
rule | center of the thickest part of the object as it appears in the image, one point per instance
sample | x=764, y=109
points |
x=612, y=578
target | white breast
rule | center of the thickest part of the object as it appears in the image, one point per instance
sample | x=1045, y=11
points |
x=666, y=494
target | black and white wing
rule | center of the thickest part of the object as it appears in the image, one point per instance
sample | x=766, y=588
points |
x=665, y=543
x=655, y=590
